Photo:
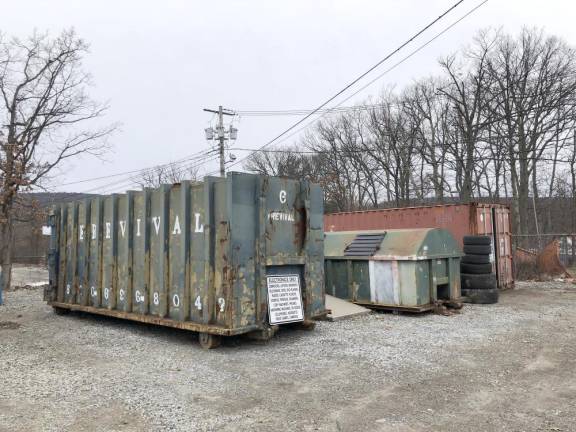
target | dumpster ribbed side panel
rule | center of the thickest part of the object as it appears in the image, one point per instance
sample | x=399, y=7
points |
x=51, y=293
x=179, y=294
x=95, y=260
x=219, y=300
x=244, y=225
x=63, y=220
x=109, y=249
x=83, y=292
x=314, y=247
x=124, y=253
x=199, y=255
x=70, y=279
x=141, y=252
x=158, y=293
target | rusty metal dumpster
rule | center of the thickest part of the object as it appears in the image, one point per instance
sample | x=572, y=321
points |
x=460, y=219
x=404, y=269
x=226, y=256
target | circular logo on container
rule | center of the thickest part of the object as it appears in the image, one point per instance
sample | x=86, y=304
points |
x=283, y=196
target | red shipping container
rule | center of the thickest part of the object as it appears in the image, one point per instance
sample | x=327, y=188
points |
x=459, y=219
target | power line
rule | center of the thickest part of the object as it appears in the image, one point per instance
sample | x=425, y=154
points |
x=359, y=77
x=88, y=180
x=134, y=180
x=266, y=113
x=371, y=150
x=122, y=184
x=371, y=82
x=131, y=179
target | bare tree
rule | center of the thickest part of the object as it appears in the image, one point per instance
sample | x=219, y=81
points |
x=349, y=170
x=393, y=146
x=467, y=93
x=533, y=98
x=167, y=174
x=498, y=123
x=430, y=114
x=44, y=111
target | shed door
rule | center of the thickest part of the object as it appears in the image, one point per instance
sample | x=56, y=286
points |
x=503, y=247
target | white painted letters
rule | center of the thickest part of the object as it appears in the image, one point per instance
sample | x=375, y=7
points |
x=156, y=220
x=81, y=232
x=123, y=227
x=281, y=216
x=198, y=226
x=139, y=297
x=94, y=231
x=137, y=227
x=176, y=229
x=107, y=230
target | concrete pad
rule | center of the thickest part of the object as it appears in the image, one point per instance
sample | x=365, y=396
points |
x=342, y=309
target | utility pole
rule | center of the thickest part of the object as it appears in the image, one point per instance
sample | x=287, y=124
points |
x=221, y=134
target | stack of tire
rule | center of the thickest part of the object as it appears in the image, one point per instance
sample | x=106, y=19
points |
x=478, y=281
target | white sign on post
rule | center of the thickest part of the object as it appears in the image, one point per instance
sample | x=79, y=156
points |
x=284, y=299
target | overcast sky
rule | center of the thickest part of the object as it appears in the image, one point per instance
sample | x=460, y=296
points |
x=159, y=63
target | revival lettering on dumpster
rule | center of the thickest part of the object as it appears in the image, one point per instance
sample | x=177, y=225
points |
x=284, y=299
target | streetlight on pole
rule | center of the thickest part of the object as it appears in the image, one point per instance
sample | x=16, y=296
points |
x=221, y=134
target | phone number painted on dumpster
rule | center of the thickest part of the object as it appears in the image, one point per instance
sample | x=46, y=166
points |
x=284, y=299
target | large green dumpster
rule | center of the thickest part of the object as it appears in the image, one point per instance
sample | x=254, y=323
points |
x=241, y=254
x=404, y=269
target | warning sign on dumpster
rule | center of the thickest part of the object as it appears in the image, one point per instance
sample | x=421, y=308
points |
x=284, y=299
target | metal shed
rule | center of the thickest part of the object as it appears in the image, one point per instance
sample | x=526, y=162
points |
x=241, y=254
x=393, y=269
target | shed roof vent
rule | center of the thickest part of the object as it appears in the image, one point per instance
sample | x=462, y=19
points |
x=364, y=245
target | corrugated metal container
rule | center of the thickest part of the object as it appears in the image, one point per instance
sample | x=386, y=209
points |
x=459, y=219
x=227, y=256
x=393, y=269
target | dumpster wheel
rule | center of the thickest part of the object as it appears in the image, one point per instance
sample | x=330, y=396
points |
x=209, y=341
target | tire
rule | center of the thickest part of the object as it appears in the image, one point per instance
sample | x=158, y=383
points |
x=482, y=296
x=478, y=240
x=478, y=281
x=477, y=249
x=475, y=259
x=476, y=268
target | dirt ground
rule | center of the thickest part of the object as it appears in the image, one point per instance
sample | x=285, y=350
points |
x=504, y=367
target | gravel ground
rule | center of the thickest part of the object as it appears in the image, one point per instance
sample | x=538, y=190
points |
x=504, y=367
